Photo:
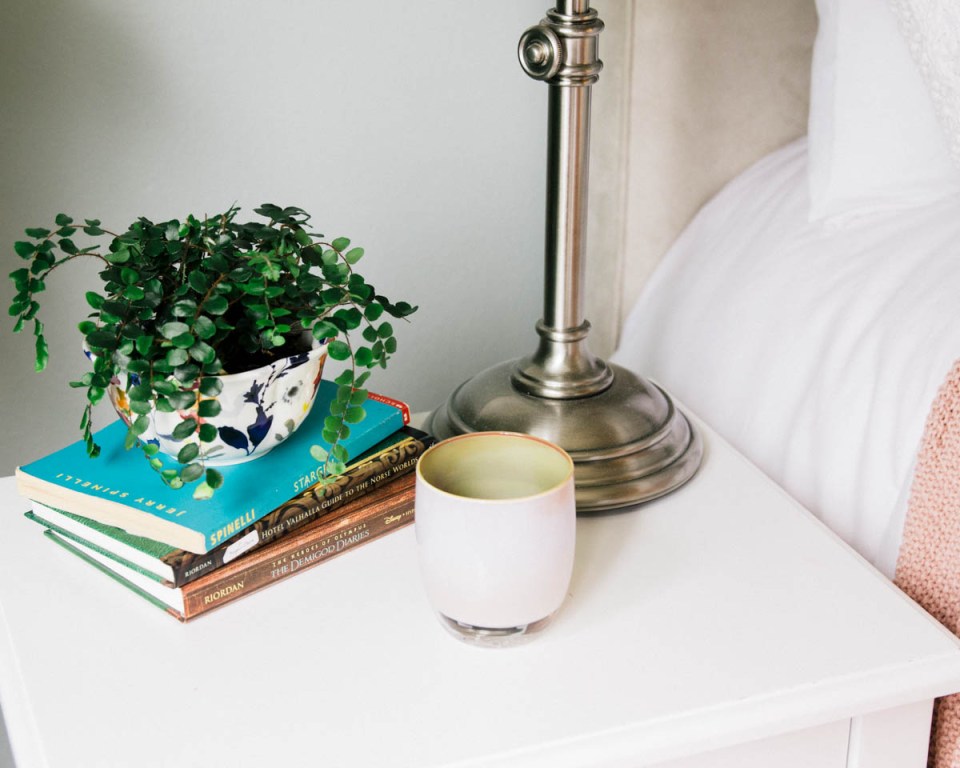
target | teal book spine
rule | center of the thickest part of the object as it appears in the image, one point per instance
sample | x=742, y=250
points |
x=120, y=488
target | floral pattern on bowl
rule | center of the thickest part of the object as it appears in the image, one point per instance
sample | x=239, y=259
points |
x=259, y=409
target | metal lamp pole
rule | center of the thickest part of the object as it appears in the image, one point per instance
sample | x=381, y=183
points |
x=628, y=441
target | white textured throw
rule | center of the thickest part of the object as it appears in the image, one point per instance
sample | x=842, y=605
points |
x=932, y=31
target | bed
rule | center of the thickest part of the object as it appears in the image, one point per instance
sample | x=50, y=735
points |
x=809, y=311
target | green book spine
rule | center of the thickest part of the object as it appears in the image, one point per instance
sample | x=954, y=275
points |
x=78, y=551
x=64, y=533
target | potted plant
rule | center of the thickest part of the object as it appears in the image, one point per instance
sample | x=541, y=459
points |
x=186, y=307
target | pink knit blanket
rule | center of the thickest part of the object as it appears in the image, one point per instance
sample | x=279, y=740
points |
x=928, y=565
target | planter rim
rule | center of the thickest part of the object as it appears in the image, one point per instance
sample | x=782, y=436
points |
x=318, y=348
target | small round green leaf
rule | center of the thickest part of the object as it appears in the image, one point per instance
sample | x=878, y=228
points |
x=173, y=329
x=120, y=256
x=191, y=472
x=184, y=308
x=214, y=479
x=325, y=330
x=24, y=249
x=186, y=374
x=355, y=414
x=215, y=305
x=182, y=399
x=338, y=350
x=140, y=392
x=184, y=340
x=364, y=357
x=101, y=339
x=199, y=282
x=184, y=429
x=188, y=453
x=204, y=327
x=143, y=344
x=141, y=406
x=211, y=386
x=208, y=409
x=201, y=352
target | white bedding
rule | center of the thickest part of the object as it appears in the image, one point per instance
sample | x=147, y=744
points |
x=815, y=348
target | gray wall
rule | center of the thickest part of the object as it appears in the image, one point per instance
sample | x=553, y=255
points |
x=406, y=126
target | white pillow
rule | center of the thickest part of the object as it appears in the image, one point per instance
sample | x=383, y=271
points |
x=932, y=31
x=874, y=138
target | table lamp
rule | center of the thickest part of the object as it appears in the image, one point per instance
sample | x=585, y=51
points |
x=628, y=441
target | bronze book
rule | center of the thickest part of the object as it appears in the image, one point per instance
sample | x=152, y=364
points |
x=387, y=508
x=381, y=465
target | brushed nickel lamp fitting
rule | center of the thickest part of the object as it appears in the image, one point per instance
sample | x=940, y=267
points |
x=628, y=441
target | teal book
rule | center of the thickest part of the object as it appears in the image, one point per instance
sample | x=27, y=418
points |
x=120, y=489
x=382, y=464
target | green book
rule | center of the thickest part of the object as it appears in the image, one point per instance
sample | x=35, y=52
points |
x=120, y=489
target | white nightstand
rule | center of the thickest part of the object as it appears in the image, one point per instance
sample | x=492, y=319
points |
x=720, y=626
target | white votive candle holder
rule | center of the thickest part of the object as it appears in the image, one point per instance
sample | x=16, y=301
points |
x=495, y=523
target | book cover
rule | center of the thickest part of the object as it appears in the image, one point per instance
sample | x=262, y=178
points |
x=119, y=488
x=389, y=459
x=386, y=509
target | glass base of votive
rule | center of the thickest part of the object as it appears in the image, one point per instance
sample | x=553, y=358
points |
x=490, y=637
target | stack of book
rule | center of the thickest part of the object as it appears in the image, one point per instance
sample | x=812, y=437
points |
x=272, y=518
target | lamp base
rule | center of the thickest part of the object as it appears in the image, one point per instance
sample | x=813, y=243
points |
x=629, y=443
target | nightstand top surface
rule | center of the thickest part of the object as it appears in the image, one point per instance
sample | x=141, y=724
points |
x=720, y=613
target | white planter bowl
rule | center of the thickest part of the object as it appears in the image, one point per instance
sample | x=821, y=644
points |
x=259, y=409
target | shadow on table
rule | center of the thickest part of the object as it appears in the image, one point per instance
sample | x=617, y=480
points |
x=6, y=756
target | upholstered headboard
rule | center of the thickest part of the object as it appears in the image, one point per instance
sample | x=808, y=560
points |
x=692, y=92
